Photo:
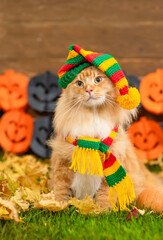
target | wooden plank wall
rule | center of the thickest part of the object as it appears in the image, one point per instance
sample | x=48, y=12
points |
x=35, y=34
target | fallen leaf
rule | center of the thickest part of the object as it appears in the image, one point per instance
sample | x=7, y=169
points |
x=25, y=170
x=24, y=196
x=48, y=196
x=133, y=213
x=141, y=211
x=48, y=202
x=8, y=210
x=5, y=191
x=51, y=205
x=86, y=205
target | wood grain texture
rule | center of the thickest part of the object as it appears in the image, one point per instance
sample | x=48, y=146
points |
x=137, y=67
x=35, y=34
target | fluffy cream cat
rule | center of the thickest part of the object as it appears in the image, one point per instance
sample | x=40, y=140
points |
x=88, y=108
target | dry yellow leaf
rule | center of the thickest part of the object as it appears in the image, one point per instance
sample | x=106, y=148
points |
x=8, y=210
x=86, y=205
x=25, y=171
x=51, y=205
x=5, y=191
x=48, y=202
x=24, y=196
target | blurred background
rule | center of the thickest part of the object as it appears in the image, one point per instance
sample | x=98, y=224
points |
x=35, y=34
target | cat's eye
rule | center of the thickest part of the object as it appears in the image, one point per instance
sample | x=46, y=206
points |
x=79, y=83
x=98, y=80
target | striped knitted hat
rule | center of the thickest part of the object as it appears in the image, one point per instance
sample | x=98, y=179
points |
x=79, y=59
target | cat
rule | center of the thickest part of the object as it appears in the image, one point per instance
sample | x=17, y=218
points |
x=88, y=107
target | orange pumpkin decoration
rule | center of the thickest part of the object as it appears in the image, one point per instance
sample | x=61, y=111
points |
x=13, y=90
x=16, y=128
x=147, y=137
x=151, y=198
x=151, y=91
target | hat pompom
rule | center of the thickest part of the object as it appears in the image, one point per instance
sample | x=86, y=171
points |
x=130, y=100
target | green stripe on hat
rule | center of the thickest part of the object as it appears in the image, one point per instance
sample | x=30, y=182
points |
x=111, y=70
x=71, y=74
x=71, y=47
x=75, y=60
x=98, y=60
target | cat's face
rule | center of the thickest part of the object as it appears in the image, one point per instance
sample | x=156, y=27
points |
x=92, y=87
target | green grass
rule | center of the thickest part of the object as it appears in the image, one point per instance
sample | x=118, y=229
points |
x=68, y=224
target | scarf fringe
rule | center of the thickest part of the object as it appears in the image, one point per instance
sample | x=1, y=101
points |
x=84, y=159
x=122, y=194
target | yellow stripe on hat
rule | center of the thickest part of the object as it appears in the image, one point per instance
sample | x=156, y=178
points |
x=111, y=170
x=106, y=64
x=72, y=54
x=61, y=74
x=121, y=83
x=85, y=53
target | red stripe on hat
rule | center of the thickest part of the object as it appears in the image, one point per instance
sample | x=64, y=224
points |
x=109, y=162
x=66, y=67
x=124, y=90
x=92, y=56
x=77, y=48
x=117, y=76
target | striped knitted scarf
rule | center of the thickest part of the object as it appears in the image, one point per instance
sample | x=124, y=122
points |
x=87, y=158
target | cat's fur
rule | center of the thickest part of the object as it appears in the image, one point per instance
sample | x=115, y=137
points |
x=91, y=110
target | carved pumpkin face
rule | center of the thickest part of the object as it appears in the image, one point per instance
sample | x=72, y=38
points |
x=147, y=137
x=42, y=132
x=16, y=128
x=43, y=91
x=151, y=90
x=13, y=90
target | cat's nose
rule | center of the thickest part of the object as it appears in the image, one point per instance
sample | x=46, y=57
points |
x=89, y=90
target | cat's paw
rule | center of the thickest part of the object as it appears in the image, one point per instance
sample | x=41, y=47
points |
x=50, y=184
x=104, y=204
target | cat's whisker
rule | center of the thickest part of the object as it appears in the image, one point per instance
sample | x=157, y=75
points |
x=110, y=99
x=112, y=103
x=70, y=104
x=78, y=108
x=71, y=107
x=72, y=101
x=108, y=95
